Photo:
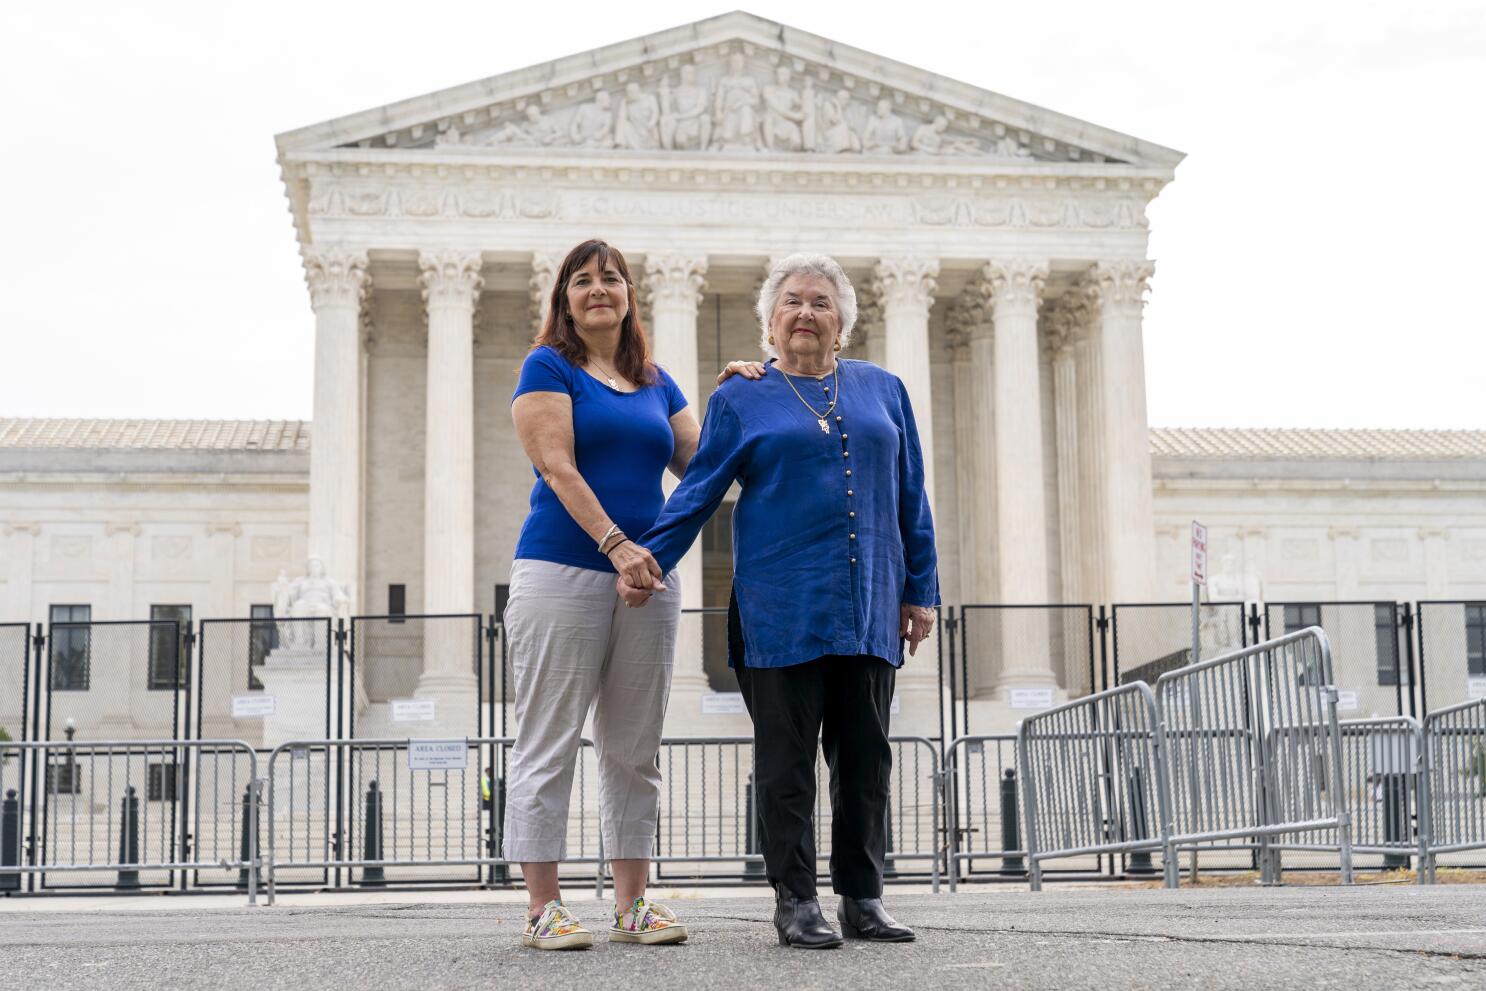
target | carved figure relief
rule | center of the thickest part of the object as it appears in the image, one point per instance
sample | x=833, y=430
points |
x=637, y=125
x=735, y=108
x=736, y=105
x=593, y=123
x=685, y=123
x=884, y=133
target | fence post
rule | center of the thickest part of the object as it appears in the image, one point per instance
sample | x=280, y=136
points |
x=499, y=873
x=249, y=837
x=752, y=869
x=373, y=877
x=1396, y=818
x=1011, y=836
x=10, y=840
x=128, y=839
x=1140, y=860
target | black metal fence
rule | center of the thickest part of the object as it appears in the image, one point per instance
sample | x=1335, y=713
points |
x=1371, y=652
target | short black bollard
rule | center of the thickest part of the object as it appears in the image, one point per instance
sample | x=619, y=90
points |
x=1140, y=860
x=245, y=848
x=752, y=869
x=499, y=873
x=128, y=839
x=1396, y=820
x=10, y=840
x=373, y=877
x=1011, y=833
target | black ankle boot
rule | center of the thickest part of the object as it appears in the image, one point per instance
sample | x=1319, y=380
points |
x=865, y=918
x=801, y=924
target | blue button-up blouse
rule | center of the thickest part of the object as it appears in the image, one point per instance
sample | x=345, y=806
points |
x=832, y=531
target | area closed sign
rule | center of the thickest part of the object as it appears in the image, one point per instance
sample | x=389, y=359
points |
x=1199, y=554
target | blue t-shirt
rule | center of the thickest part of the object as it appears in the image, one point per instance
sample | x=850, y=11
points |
x=622, y=443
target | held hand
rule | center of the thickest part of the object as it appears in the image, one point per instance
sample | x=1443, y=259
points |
x=633, y=597
x=748, y=369
x=915, y=625
x=636, y=566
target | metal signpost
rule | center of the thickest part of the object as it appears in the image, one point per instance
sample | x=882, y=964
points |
x=1199, y=579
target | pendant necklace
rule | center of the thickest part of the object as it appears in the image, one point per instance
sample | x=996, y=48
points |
x=821, y=417
x=613, y=384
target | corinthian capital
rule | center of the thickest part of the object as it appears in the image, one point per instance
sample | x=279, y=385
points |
x=966, y=320
x=1122, y=283
x=450, y=278
x=906, y=282
x=674, y=279
x=1066, y=319
x=336, y=275
x=1015, y=283
x=539, y=286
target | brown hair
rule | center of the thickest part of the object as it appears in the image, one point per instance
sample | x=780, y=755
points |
x=632, y=359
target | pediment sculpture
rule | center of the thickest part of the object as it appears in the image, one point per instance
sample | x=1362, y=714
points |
x=732, y=105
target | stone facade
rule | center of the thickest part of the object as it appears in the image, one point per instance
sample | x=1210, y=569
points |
x=1000, y=254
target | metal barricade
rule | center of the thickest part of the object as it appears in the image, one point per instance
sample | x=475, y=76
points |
x=1455, y=759
x=1385, y=791
x=146, y=811
x=1093, y=778
x=709, y=820
x=981, y=810
x=402, y=811
x=1253, y=749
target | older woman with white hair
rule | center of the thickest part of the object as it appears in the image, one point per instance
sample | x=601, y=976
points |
x=834, y=568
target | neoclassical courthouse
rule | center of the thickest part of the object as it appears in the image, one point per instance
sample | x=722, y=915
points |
x=1000, y=251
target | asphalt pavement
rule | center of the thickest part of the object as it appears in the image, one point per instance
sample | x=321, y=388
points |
x=1385, y=936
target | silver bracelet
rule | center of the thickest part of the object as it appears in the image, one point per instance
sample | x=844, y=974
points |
x=613, y=529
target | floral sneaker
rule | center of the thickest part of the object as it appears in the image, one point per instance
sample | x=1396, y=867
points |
x=646, y=922
x=556, y=929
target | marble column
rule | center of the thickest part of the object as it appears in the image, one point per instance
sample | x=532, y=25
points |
x=672, y=285
x=1128, y=512
x=1062, y=328
x=339, y=285
x=1021, y=506
x=906, y=289
x=974, y=470
x=451, y=285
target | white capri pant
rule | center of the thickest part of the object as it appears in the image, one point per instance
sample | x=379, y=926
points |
x=574, y=644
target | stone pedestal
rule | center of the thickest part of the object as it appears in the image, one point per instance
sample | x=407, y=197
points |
x=295, y=677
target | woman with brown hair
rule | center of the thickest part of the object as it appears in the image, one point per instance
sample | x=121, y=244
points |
x=601, y=423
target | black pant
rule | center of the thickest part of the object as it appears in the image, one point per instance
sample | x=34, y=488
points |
x=845, y=702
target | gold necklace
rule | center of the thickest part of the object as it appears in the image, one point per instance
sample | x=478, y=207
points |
x=820, y=418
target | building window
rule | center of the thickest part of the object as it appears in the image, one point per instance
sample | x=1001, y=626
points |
x=71, y=648
x=1385, y=633
x=397, y=601
x=1299, y=616
x=263, y=637
x=170, y=631
x=1475, y=639
x=161, y=783
x=62, y=778
x=502, y=597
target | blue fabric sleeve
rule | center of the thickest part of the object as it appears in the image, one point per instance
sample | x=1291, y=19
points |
x=915, y=522
x=718, y=459
x=544, y=370
x=675, y=398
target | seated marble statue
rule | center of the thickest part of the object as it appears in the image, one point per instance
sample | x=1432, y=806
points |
x=313, y=596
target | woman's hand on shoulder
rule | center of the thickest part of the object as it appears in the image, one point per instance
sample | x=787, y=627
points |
x=916, y=624
x=753, y=370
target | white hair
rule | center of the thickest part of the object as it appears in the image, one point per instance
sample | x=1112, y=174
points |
x=823, y=266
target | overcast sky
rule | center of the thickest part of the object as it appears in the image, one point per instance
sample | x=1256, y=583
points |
x=1319, y=257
